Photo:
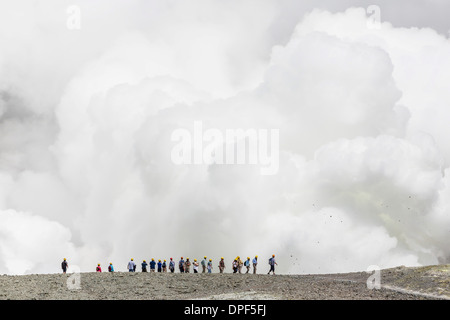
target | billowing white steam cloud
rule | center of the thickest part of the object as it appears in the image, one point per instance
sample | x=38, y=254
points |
x=86, y=123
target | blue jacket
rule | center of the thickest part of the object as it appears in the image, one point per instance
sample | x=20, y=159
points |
x=152, y=264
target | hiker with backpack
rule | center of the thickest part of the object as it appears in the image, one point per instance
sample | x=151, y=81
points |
x=247, y=264
x=110, y=267
x=98, y=269
x=272, y=264
x=131, y=266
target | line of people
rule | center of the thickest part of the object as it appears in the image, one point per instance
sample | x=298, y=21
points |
x=184, y=266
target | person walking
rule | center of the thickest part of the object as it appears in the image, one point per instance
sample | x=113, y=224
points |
x=195, y=266
x=209, y=266
x=204, y=262
x=247, y=264
x=98, y=269
x=187, y=266
x=110, y=267
x=240, y=263
x=235, y=265
x=255, y=263
x=181, y=265
x=221, y=265
x=164, y=266
x=144, y=266
x=64, y=265
x=131, y=266
x=272, y=264
x=172, y=265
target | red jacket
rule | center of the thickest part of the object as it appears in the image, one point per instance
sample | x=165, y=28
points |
x=99, y=269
